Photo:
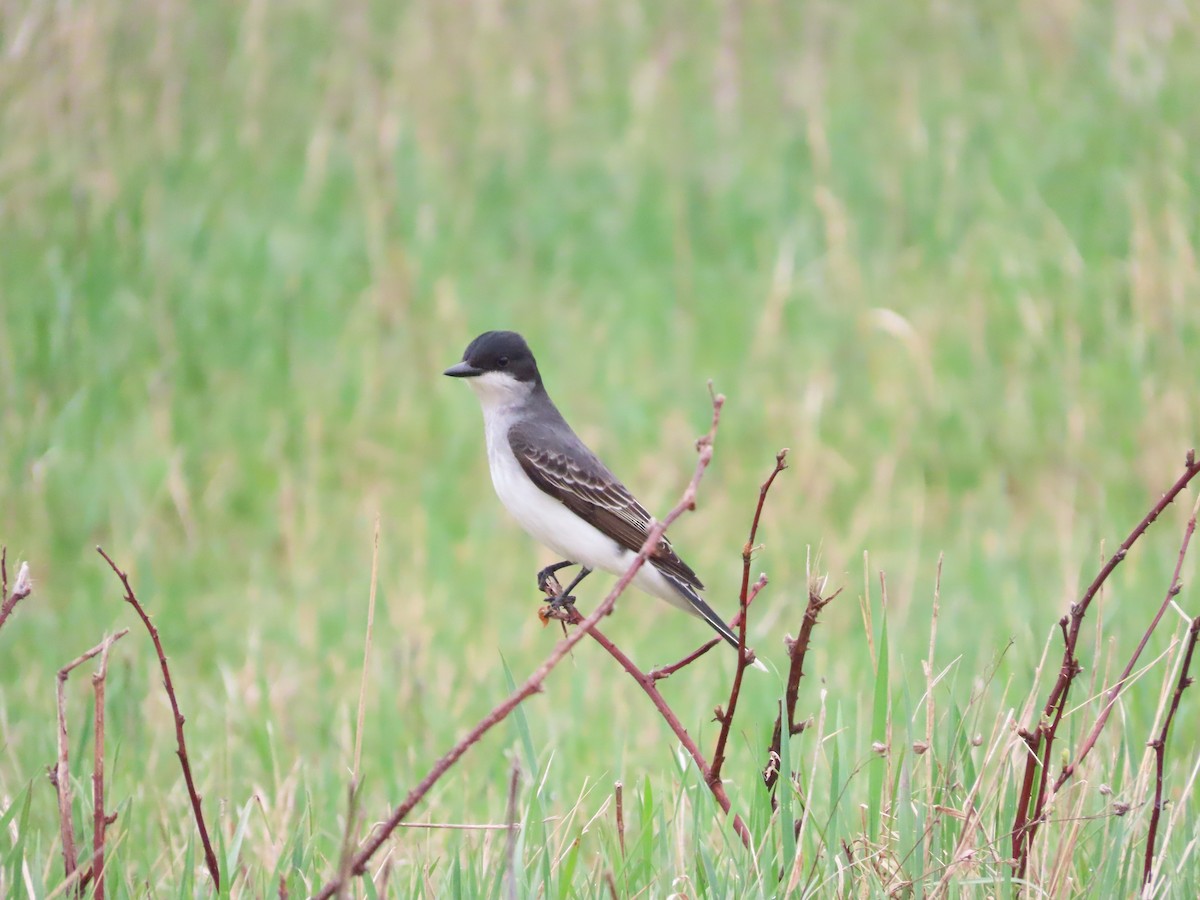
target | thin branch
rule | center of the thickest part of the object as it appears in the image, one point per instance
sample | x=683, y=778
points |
x=1039, y=739
x=1115, y=691
x=210, y=856
x=1159, y=744
x=60, y=775
x=100, y=821
x=533, y=684
x=667, y=671
x=647, y=684
x=21, y=589
x=725, y=716
x=797, y=651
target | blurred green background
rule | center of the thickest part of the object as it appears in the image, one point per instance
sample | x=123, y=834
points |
x=946, y=253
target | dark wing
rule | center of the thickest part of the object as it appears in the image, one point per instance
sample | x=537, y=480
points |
x=562, y=466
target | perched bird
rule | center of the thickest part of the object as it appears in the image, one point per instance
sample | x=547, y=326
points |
x=558, y=490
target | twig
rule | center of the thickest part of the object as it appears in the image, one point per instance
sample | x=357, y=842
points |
x=667, y=671
x=514, y=826
x=210, y=856
x=1159, y=745
x=60, y=775
x=1039, y=739
x=646, y=683
x=533, y=684
x=100, y=821
x=1115, y=691
x=725, y=716
x=21, y=589
x=797, y=651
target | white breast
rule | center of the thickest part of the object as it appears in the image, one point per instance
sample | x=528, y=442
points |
x=546, y=519
x=550, y=522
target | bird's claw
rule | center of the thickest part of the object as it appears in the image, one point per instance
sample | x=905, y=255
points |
x=560, y=607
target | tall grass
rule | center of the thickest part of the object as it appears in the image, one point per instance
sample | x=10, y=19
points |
x=945, y=253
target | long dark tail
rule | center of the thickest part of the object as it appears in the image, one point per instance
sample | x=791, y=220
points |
x=706, y=612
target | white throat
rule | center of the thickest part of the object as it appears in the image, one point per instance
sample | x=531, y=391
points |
x=499, y=391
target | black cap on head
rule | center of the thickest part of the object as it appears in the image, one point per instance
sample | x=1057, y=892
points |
x=497, y=351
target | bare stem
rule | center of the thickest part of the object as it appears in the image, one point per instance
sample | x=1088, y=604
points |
x=647, y=684
x=1115, y=691
x=100, y=821
x=210, y=856
x=797, y=651
x=725, y=716
x=60, y=775
x=1159, y=744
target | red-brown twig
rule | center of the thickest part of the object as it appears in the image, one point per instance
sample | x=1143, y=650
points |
x=1112, y=693
x=533, y=684
x=646, y=683
x=1039, y=739
x=210, y=856
x=667, y=671
x=21, y=589
x=736, y=622
x=725, y=716
x=797, y=651
x=1159, y=745
x=60, y=775
x=100, y=821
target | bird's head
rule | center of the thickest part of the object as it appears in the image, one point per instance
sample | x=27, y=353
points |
x=500, y=367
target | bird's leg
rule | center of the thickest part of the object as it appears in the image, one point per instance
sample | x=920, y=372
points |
x=565, y=599
x=544, y=576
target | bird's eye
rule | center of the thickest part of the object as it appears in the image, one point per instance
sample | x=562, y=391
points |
x=502, y=362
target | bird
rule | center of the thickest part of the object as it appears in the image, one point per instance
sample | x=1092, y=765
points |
x=558, y=490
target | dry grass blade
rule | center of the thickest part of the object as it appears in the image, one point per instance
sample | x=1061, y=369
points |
x=362, y=688
x=514, y=827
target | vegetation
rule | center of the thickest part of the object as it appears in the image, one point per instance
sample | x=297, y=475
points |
x=945, y=253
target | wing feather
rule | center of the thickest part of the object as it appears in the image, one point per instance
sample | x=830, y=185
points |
x=582, y=483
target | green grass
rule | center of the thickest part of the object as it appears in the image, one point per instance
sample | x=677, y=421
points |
x=945, y=253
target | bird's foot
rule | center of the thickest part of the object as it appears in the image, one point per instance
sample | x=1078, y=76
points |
x=547, y=582
x=560, y=607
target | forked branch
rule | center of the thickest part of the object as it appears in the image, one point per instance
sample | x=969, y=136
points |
x=797, y=651
x=1039, y=738
x=533, y=684
x=210, y=856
